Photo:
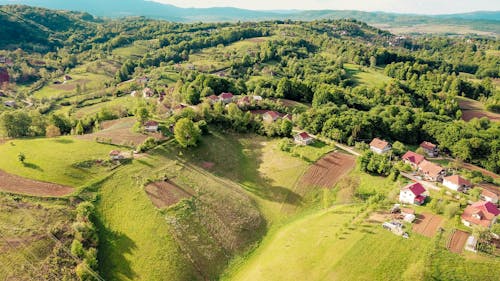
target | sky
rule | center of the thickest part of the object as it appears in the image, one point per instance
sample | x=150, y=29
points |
x=399, y=6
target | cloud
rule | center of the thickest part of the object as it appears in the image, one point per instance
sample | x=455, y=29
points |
x=401, y=6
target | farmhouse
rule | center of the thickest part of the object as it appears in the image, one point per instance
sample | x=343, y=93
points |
x=303, y=139
x=147, y=93
x=271, y=116
x=430, y=149
x=413, y=159
x=380, y=146
x=456, y=183
x=481, y=213
x=115, y=155
x=489, y=196
x=414, y=193
x=226, y=97
x=151, y=126
x=431, y=171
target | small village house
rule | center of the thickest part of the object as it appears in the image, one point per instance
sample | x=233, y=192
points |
x=213, y=99
x=151, y=126
x=244, y=101
x=430, y=149
x=116, y=155
x=489, y=196
x=413, y=159
x=147, y=93
x=303, y=139
x=482, y=213
x=414, y=193
x=457, y=183
x=431, y=171
x=271, y=116
x=380, y=146
x=226, y=97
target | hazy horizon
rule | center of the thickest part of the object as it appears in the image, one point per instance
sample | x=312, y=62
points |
x=391, y=6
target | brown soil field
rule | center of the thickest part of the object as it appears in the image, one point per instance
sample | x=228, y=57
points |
x=166, y=193
x=457, y=241
x=16, y=184
x=328, y=170
x=120, y=132
x=473, y=109
x=427, y=224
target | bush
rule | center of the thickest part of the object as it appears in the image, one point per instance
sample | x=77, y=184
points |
x=285, y=145
x=83, y=273
x=148, y=144
x=86, y=233
x=203, y=126
x=77, y=248
x=85, y=210
x=451, y=210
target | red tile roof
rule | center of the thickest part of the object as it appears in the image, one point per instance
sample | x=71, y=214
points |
x=213, y=97
x=413, y=157
x=226, y=96
x=275, y=115
x=115, y=153
x=458, y=180
x=430, y=168
x=427, y=145
x=416, y=188
x=486, y=210
x=378, y=143
x=151, y=123
x=489, y=194
x=304, y=136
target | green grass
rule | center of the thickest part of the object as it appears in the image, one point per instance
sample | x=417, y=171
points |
x=51, y=160
x=136, y=50
x=84, y=79
x=368, y=77
x=312, y=153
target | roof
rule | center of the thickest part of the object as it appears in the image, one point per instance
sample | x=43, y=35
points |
x=428, y=145
x=151, y=123
x=487, y=193
x=458, y=180
x=430, y=168
x=273, y=114
x=115, y=153
x=213, y=97
x=304, y=136
x=416, y=188
x=413, y=157
x=487, y=211
x=226, y=95
x=378, y=143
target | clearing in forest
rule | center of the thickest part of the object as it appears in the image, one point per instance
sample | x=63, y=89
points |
x=427, y=224
x=474, y=109
x=328, y=170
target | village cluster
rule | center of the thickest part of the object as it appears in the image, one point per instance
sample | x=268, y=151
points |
x=483, y=213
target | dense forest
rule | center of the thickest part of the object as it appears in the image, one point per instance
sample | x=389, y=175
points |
x=307, y=62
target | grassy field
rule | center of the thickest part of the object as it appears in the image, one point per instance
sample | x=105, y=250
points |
x=52, y=160
x=368, y=77
x=86, y=80
x=136, y=50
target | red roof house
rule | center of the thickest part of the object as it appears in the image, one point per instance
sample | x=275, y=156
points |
x=481, y=213
x=487, y=195
x=456, y=183
x=412, y=158
x=226, y=97
x=431, y=171
x=303, y=139
x=380, y=146
x=414, y=193
x=271, y=116
x=430, y=148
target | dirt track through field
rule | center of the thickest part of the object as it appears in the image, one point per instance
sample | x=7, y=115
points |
x=457, y=241
x=16, y=184
x=327, y=171
x=427, y=224
x=166, y=193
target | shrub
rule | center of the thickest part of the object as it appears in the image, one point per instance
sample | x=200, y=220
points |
x=285, y=144
x=83, y=273
x=148, y=144
x=77, y=248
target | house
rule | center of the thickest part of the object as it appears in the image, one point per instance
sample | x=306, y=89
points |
x=271, y=116
x=380, y=146
x=481, y=213
x=457, y=183
x=489, y=196
x=257, y=98
x=151, y=126
x=430, y=149
x=133, y=94
x=147, y=93
x=244, y=101
x=213, y=99
x=413, y=159
x=226, y=97
x=10, y=103
x=431, y=171
x=414, y=193
x=116, y=155
x=67, y=78
x=303, y=139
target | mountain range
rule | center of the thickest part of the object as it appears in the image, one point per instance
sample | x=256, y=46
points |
x=482, y=20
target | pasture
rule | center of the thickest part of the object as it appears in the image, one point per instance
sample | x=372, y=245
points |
x=367, y=76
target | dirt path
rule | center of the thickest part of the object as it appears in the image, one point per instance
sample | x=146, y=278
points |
x=16, y=184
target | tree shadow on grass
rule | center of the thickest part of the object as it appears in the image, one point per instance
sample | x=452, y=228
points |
x=143, y=163
x=64, y=141
x=32, y=166
x=113, y=247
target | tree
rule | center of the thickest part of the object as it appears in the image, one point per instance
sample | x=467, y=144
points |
x=142, y=114
x=16, y=124
x=373, y=62
x=186, y=132
x=399, y=148
x=21, y=157
x=52, y=131
x=77, y=248
x=79, y=128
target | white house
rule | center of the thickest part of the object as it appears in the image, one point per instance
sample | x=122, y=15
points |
x=414, y=193
x=481, y=213
x=151, y=126
x=116, y=155
x=489, y=196
x=380, y=146
x=456, y=183
x=303, y=139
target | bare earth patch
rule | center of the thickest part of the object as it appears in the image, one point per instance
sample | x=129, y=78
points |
x=207, y=165
x=457, y=241
x=16, y=184
x=473, y=109
x=328, y=170
x=427, y=224
x=166, y=193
